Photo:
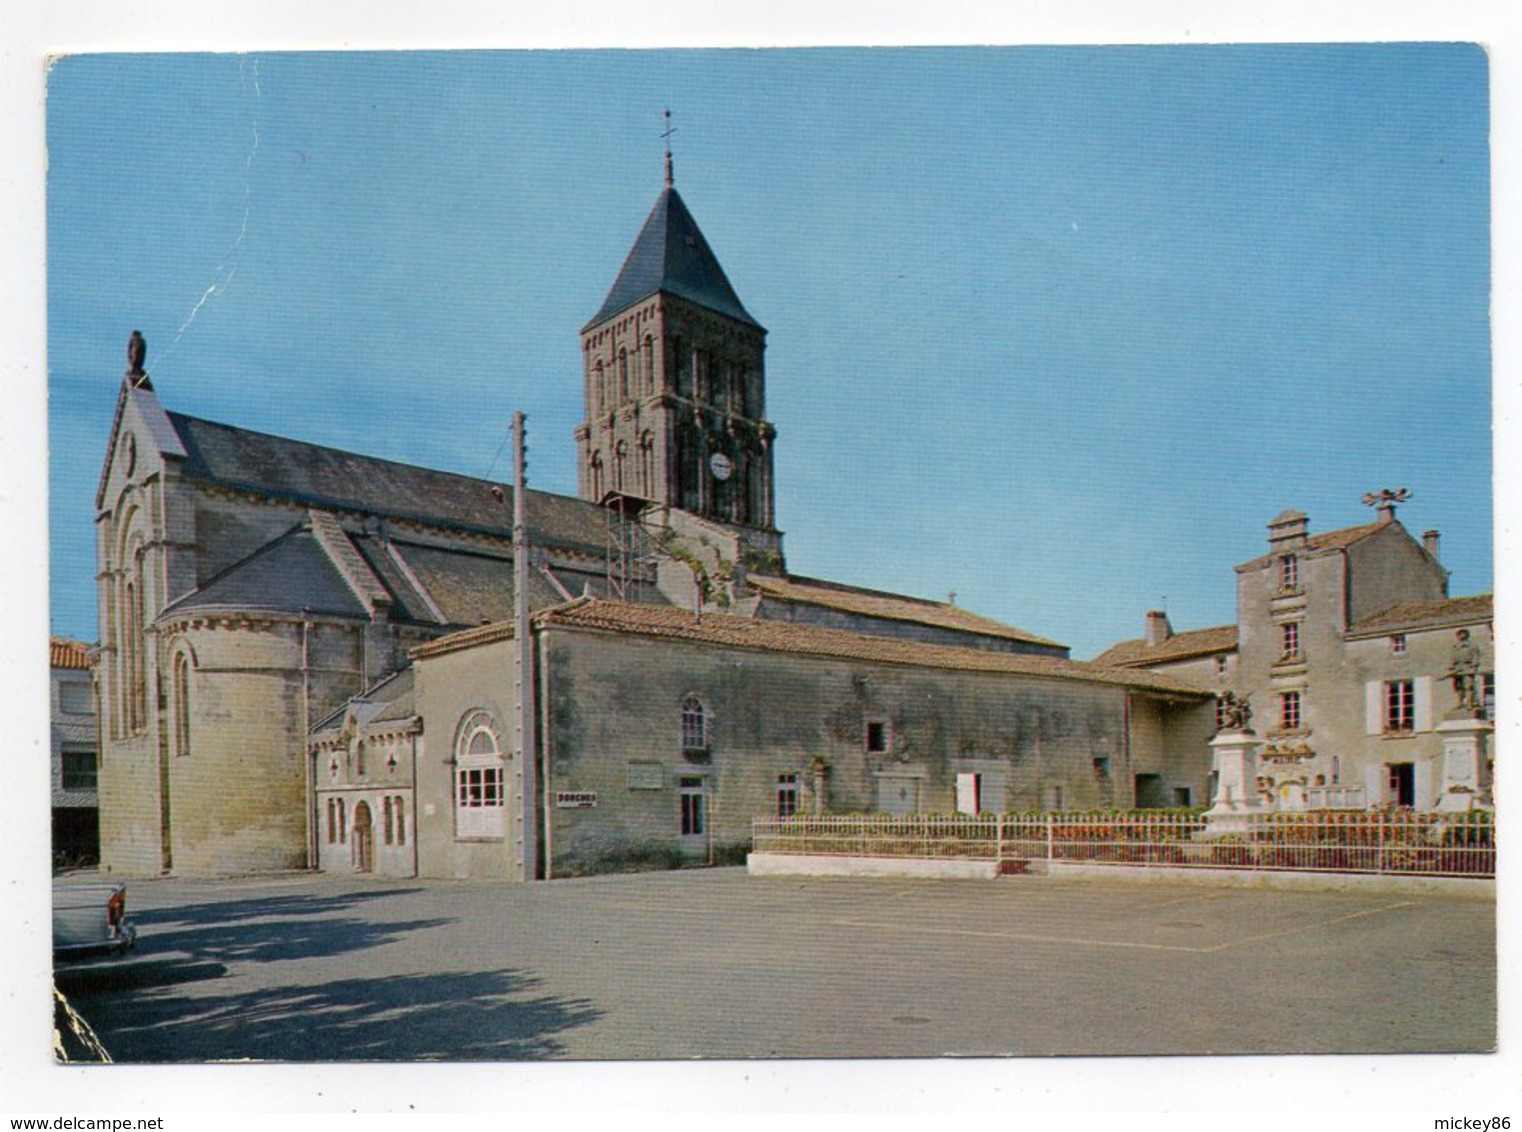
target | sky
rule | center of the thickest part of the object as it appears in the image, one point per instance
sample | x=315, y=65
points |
x=1058, y=329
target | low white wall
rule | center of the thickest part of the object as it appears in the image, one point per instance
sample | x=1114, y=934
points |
x=1483, y=887
x=800, y=864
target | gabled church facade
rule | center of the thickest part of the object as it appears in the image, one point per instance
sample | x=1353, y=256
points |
x=249, y=585
x=262, y=599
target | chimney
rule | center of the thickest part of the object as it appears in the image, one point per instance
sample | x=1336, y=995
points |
x=1429, y=540
x=1386, y=512
x=1288, y=529
x=1158, y=629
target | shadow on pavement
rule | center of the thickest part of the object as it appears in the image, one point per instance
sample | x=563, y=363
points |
x=135, y=970
x=300, y=904
x=485, y=1016
x=272, y=928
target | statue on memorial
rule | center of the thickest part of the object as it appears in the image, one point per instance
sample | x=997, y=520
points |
x=1464, y=672
x=137, y=351
x=1236, y=715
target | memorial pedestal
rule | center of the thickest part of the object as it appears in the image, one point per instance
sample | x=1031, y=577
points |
x=1466, y=777
x=1238, y=804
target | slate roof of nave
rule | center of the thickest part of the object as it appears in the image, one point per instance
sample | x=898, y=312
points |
x=1433, y=614
x=293, y=573
x=673, y=623
x=670, y=254
x=330, y=478
x=1187, y=645
x=891, y=607
x=287, y=575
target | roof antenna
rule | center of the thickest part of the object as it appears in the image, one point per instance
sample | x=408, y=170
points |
x=666, y=133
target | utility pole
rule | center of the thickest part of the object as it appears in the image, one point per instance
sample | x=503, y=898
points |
x=523, y=659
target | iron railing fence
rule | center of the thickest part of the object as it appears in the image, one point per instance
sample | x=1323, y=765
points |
x=1400, y=842
x=880, y=835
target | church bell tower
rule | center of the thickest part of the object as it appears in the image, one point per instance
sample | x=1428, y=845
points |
x=674, y=377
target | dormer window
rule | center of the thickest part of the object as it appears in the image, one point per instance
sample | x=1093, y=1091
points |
x=1289, y=572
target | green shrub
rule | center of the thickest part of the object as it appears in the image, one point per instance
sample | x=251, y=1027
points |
x=631, y=857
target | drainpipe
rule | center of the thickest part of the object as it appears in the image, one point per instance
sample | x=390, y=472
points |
x=1125, y=743
x=543, y=685
x=308, y=757
x=414, y=803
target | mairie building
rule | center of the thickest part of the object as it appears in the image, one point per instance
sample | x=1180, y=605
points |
x=301, y=648
x=1343, y=648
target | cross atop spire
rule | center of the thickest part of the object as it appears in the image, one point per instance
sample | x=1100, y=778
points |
x=666, y=133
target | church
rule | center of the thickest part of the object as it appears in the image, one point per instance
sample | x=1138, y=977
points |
x=308, y=657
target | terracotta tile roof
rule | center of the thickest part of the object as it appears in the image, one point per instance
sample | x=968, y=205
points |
x=64, y=653
x=1327, y=540
x=1180, y=646
x=1426, y=615
x=785, y=637
x=893, y=607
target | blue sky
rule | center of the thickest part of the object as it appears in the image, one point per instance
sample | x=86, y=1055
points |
x=1058, y=328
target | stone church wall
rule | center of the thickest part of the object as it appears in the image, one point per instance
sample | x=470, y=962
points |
x=238, y=788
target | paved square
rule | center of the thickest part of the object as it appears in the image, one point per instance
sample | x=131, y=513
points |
x=715, y=963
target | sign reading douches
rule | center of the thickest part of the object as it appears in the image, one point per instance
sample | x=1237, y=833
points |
x=576, y=799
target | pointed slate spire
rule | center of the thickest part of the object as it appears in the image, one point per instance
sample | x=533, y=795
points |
x=671, y=255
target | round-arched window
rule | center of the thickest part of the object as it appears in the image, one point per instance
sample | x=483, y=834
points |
x=694, y=725
x=480, y=793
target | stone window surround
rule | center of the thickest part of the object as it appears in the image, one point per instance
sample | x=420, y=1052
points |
x=479, y=795
x=1291, y=711
x=1289, y=573
x=696, y=722
x=1289, y=639
x=787, y=793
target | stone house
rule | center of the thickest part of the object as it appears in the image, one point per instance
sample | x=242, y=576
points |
x=1342, y=647
x=662, y=734
x=74, y=760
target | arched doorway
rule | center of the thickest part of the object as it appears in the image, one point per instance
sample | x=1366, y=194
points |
x=364, y=839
